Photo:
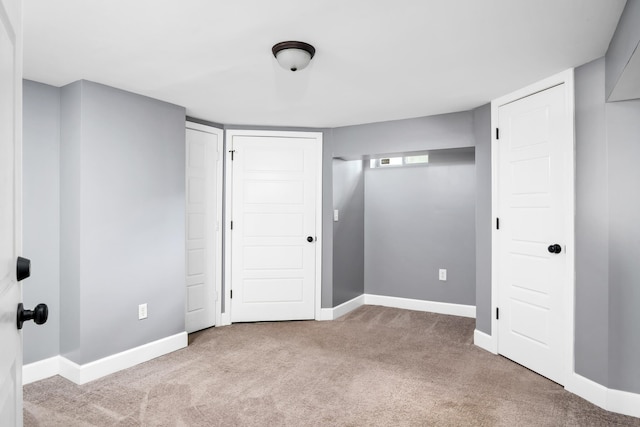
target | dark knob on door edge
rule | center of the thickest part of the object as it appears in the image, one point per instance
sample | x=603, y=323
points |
x=39, y=314
x=309, y=239
x=23, y=268
x=555, y=249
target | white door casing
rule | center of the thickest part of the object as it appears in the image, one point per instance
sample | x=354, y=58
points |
x=10, y=210
x=533, y=197
x=204, y=145
x=275, y=206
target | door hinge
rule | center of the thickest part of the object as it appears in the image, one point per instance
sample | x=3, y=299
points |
x=497, y=223
x=232, y=154
x=497, y=133
x=497, y=313
x=231, y=294
x=232, y=225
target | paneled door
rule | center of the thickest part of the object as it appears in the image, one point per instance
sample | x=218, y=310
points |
x=534, y=194
x=10, y=210
x=204, y=219
x=274, y=234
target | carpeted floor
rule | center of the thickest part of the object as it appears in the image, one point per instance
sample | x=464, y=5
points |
x=376, y=366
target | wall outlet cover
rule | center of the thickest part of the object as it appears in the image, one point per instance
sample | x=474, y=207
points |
x=442, y=274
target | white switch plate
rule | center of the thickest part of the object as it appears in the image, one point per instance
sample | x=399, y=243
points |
x=142, y=311
x=335, y=215
x=442, y=274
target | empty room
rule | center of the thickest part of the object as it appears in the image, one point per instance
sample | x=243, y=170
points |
x=319, y=213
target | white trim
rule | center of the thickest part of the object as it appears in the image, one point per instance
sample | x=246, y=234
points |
x=342, y=309
x=40, y=370
x=485, y=341
x=619, y=401
x=82, y=374
x=567, y=78
x=204, y=128
x=318, y=137
x=421, y=305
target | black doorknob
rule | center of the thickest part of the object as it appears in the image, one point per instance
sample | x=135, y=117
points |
x=23, y=268
x=555, y=248
x=309, y=239
x=39, y=314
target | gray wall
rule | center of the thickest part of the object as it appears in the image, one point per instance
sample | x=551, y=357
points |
x=622, y=46
x=123, y=217
x=353, y=142
x=419, y=219
x=70, y=219
x=348, y=231
x=41, y=215
x=484, y=222
x=592, y=225
x=623, y=137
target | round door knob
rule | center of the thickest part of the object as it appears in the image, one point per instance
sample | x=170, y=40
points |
x=309, y=239
x=555, y=248
x=39, y=315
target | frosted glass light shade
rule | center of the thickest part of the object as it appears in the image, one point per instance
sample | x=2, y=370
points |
x=293, y=59
x=292, y=55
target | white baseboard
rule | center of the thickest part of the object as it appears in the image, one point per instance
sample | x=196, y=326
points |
x=81, y=374
x=342, y=309
x=420, y=305
x=225, y=319
x=40, y=370
x=485, y=341
x=622, y=402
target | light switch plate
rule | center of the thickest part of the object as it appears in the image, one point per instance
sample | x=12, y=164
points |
x=442, y=274
x=335, y=215
x=142, y=311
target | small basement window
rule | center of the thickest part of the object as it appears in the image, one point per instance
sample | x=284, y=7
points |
x=398, y=161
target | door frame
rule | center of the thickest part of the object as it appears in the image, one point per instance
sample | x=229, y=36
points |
x=218, y=213
x=565, y=78
x=228, y=188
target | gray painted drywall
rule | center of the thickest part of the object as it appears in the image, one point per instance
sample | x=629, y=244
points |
x=419, y=219
x=484, y=223
x=354, y=142
x=130, y=211
x=70, y=187
x=453, y=130
x=348, y=231
x=623, y=44
x=41, y=215
x=591, y=224
x=623, y=137
x=327, y=220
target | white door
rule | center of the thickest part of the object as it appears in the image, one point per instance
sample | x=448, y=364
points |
x=534, y=193
x=10, y=210
x=204, y=216
x=274, y=227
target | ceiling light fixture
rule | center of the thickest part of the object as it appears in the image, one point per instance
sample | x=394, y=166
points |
x=292, y=55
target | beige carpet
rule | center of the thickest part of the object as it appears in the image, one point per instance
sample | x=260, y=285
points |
x=374, y=367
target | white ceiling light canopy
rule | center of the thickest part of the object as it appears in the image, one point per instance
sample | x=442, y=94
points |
x=292, y=55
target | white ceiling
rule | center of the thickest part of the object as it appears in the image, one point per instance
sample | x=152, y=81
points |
x=376, y=60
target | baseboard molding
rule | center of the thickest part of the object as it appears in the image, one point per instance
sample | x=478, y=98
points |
x=485, y=341
x=40, y=370
x=342, y=309
x=82, y=374
x=420, y=305
x=622, y=402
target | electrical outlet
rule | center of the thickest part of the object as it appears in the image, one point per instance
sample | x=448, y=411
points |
x=442, y=274
x=142, y=311
x=336, y=215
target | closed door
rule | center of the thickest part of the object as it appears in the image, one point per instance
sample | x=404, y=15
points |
x=10, y=212
x=274, y=227
x=534, y=193
x=204, y=212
